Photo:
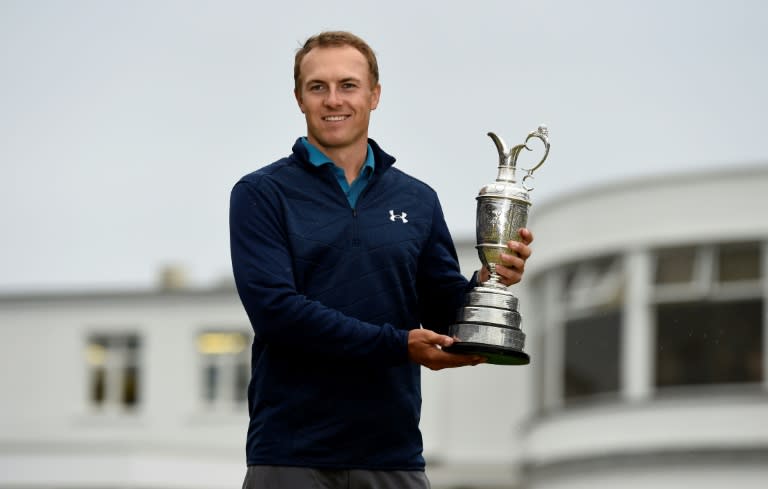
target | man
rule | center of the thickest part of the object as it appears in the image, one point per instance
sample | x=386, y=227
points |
x=340, y=259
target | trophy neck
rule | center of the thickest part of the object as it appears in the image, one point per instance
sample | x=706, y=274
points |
x=507, y=174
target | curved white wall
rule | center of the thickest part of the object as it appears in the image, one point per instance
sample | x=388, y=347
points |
x=655, y=211
x=702, y=439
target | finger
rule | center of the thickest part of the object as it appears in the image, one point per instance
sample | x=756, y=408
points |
x=441, y=340
x=432, y=338
x=526, y=236
x=471, y=360
x=442, y=356
x=521, y=249
x=442, y=360
x=513, y=262
x=509, y=276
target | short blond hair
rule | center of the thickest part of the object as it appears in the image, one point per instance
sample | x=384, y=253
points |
x=336, y=39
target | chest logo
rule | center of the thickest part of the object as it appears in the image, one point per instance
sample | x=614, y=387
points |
x=393, y=217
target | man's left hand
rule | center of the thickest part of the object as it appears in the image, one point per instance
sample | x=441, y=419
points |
x=512, y=264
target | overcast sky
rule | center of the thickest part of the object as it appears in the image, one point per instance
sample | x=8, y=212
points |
x=124, y=124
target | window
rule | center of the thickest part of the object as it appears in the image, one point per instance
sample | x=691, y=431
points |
x=225, y=368
x=709, y=343
x=593, y=298
x=113, y=364
x=709, y=328
x=675, y=265
x=592, y=355
x=738, y=262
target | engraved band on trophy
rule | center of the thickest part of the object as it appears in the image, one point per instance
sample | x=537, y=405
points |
x=489, y=323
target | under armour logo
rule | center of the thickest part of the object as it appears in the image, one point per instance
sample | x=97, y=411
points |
x=393, y=216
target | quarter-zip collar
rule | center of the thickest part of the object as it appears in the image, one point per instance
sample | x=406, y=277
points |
x=382, y=159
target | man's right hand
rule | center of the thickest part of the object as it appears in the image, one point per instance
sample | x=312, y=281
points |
x=425, y=348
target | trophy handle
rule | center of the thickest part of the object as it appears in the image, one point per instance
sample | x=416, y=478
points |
x=541, y=133
x=508, y=157
x=528, y=176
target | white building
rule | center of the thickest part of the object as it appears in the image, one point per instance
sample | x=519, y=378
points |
x=146, y=390
x=649, y=335
x=644, y=306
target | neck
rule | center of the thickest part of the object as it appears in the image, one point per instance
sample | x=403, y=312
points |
x=348, y=158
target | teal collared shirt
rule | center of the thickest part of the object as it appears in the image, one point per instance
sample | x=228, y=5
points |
x=353, y=191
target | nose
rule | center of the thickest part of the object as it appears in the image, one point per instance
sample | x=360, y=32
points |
x=332, y=99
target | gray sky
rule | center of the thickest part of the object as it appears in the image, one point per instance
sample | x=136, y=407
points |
x=124, y=125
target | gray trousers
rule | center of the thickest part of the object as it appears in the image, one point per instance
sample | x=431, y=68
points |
x=279, y=477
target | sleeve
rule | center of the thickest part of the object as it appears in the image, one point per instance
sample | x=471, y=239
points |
x=440, y=284
x=280, y=316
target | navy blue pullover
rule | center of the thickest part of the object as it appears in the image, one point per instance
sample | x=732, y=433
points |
x=331, y=293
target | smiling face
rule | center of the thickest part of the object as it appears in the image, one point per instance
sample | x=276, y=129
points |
x=336, y=95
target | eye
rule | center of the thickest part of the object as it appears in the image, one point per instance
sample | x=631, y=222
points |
x=348, y=85
x=316, y=87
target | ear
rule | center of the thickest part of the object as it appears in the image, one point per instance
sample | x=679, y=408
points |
x=299, y=100
x=375, y=96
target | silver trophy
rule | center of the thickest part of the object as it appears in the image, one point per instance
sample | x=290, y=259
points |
x=489, y=323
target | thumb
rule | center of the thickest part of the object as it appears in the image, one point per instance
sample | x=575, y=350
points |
x=424, y=335
x=439, y=339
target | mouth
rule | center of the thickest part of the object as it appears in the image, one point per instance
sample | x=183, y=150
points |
x=335, y=118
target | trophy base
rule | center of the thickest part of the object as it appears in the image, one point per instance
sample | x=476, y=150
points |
x=500, y=345
x=495, y=355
